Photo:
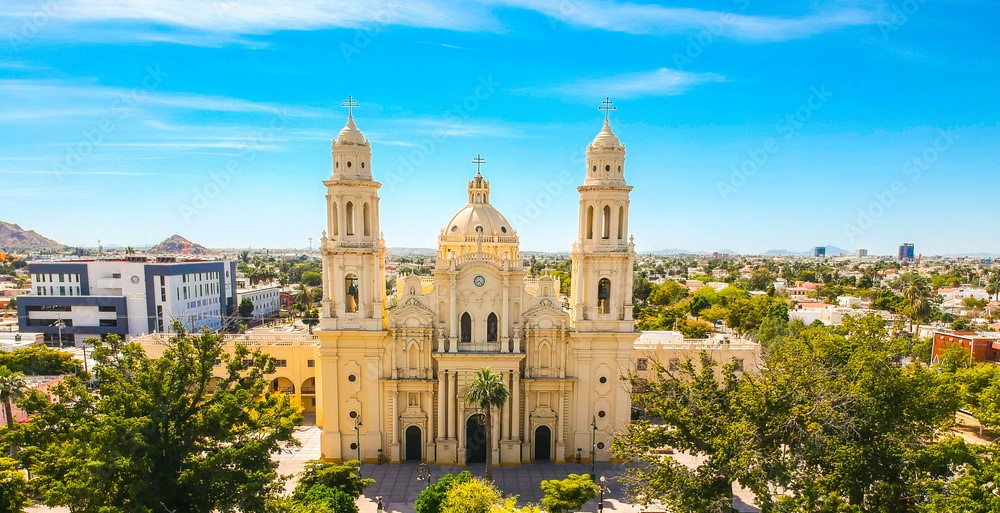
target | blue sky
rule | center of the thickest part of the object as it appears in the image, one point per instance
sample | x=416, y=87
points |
x=749, y=125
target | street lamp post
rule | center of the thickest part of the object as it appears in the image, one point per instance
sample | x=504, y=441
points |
x=593, y=448
x=357, y=429
x=600, y=504
x=59, y=324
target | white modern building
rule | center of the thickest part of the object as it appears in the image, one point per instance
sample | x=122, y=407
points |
x=266, y=299
x=77, y=299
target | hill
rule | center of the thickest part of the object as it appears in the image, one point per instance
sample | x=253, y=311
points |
x=175, y=244
x=15, y=238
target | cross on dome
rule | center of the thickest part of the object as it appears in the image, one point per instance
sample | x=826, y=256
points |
x=350, y=103
x=606, y=107
x=478, y=161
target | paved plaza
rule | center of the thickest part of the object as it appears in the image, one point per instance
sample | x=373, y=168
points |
x=398, y=485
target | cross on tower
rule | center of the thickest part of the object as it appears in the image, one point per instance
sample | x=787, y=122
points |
x=350, y=103
x=478, y=161
x=607, y=108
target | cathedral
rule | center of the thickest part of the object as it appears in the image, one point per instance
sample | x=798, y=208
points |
x=392, y=380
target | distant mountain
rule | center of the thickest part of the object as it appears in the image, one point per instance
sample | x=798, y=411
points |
x=175, y=244
x=13, y=237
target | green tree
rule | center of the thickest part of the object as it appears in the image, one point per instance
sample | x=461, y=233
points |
x=178, y=433
x=565, y=495
x=12, y=487
x=431, y=499
x=333, y=499
x=488, y=391
x=667, y=293
x=312, y=278
x=473, y=496
x=40, y=361
x=12, y=387
x=830, y=419
x=340, y=476
x=246, y=308
x=974, y=490
x=694, y=329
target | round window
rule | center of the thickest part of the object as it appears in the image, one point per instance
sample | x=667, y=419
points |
x=353, y=414
x=503, y=229
x=479, y=229
x=454, y=228
x=336, y=165
x=619, y=169
x=348, y=163
x=363, y=166
x=595, y=168
x=606, y=168
x=354, y=446
x=352, y=378
x=600, y=445
x=603, y=380
x=601, y=414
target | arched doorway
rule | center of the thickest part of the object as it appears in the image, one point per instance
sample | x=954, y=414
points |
x=413, y=444
x=543, y=443
x=475, y=439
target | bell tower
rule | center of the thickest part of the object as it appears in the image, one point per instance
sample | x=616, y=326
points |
x=603, y=254
x=352, y=245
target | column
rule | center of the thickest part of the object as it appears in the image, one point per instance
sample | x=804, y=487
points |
x=560, y=421
x=451, y=408
x=505, y=318
x=442, y=377
x=453, y=317
x=516, y=405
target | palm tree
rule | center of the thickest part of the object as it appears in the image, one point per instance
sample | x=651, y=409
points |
x=488, y=391
x=993, y=285
x=917, y=293
x=12, y=387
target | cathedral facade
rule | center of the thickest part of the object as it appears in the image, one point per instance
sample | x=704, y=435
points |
x=391, y=382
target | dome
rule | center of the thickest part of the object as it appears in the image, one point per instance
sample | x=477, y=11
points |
x=606, y=138
x=351, y=135
x=477, y=219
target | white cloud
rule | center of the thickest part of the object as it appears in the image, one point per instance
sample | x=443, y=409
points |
x=265, y=16
x=658, y=82
x=16, y=93
x=634, y=18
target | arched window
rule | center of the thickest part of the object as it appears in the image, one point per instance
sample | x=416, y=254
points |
x=413, y=356
x=621, y=222
x=604, y=296
x=349, y=218
x=491, y=328
x=366, y=218
x=606, y=223
x=590, y=222
x=466, y=327
x=544, y=355
x=350, y=293
x=336, y=227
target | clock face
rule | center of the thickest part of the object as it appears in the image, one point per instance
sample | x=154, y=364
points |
x=479, y=281
x=135, y=279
